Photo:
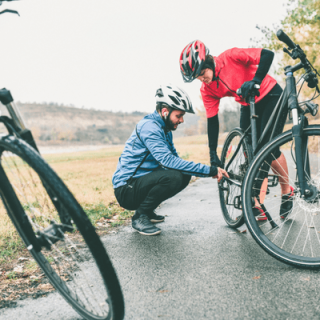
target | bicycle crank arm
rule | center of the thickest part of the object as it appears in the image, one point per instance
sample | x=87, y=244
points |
x=273, y=224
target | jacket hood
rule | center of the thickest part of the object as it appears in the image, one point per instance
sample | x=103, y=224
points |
x=156, y=117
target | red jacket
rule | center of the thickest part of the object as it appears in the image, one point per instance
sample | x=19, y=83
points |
x=233, y=67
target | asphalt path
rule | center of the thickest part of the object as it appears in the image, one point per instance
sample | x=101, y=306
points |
x=197, y=268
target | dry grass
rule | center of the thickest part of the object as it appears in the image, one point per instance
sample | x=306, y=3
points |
x=191, y=140
x=88, y=174
x=195, y=148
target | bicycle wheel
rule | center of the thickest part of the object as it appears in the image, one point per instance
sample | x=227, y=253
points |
x=293, y=238
x=230, y=194
x=76, y=261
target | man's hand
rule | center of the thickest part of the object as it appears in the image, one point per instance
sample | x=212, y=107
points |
x=221, y=173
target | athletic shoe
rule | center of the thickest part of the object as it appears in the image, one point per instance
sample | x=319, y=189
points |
x=155, y=218
x=259, y=214
x=286, y=204
x=144, y=226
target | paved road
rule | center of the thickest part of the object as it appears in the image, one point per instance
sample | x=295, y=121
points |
x=197, y=268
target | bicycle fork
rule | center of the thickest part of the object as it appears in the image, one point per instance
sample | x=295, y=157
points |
x=300, y=142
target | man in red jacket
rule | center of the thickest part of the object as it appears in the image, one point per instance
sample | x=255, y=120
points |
x=221, y=76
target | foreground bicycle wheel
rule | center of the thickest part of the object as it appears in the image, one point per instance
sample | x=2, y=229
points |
x=293, y=238
x=230, y=194
x=76, y=261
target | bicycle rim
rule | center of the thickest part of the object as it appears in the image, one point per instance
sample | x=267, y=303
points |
x=230, y=194
x=294, y=237
x=77, y=264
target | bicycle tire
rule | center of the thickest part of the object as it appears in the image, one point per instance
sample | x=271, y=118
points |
x=294, y=239
x=233, y=216
x=78, y=256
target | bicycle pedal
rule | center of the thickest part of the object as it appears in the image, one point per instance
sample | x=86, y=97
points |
x=237, y=202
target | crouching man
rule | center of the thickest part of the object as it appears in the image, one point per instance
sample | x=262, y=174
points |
x=149, y=169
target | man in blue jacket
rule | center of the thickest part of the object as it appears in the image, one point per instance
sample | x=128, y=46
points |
x=149, y=170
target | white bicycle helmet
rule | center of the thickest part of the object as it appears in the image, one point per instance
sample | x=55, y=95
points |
x=174, y=97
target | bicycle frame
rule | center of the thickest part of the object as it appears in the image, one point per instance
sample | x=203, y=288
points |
x=287, y=102
x=273, y=121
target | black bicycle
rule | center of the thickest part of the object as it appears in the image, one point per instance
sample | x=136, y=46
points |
x=53, y=225
x=293, y=236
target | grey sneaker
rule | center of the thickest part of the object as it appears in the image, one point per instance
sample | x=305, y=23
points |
x=155, y=218
x=144, y=226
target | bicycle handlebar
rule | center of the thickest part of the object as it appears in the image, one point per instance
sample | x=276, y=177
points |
x=297, y=52
x=282, y=36
x=8, y=10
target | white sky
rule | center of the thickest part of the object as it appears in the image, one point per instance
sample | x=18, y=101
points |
x=112, y=55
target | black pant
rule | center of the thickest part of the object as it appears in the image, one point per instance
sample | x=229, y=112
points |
x=144, y=194
x=264, y=109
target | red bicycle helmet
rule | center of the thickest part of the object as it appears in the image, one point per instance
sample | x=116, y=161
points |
x=192, y=59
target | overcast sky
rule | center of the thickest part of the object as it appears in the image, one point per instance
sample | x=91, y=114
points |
x=112, y=55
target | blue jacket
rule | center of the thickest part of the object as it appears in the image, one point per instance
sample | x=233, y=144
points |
x=157, y=146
